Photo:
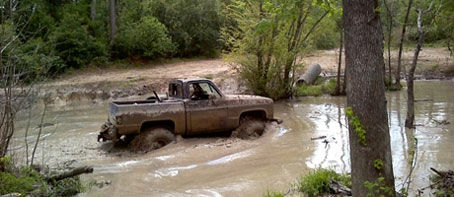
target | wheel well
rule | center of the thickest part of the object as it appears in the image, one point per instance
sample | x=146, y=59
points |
x=256, y=113
x=167, y=124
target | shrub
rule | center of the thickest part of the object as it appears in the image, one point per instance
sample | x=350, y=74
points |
x=72, y=39
x=144, y=38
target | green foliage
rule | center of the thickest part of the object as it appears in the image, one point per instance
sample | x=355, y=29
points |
x=274, y=194
x=326, y=36
x=357, y=126
x=194, y=25
x=72, y=38
x=309, y=90
x=378, y=188
x=144, y=38
x=378, y=164
x=320, y=87
x=316, y=182
x=266, y=39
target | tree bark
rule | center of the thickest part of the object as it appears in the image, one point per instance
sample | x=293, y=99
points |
x=93, y=10
x=366, y=94
x=401, y=43
x=113, y=21
x=341, y=43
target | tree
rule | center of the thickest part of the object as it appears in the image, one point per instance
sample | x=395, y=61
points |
x=93, y=10
x=268, y=40
x=113, y=21
x=409, y=121
x=401, y=43
x=370, y=149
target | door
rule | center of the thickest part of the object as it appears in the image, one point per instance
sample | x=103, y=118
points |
x=206, y=110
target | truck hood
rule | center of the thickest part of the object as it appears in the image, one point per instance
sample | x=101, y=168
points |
x=249, y=99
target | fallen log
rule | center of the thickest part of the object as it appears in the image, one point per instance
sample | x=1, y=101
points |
x=339, y=188
x=71, y=173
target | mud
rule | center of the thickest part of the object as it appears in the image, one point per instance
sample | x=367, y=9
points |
x=223, y=166
x=100, y=84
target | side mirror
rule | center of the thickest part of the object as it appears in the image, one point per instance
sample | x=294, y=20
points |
x=212, y=97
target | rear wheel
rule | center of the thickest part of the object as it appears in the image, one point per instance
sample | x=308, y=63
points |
x=151, y=139
x=250, y=128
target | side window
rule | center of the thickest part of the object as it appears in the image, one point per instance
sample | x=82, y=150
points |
x=202, y=91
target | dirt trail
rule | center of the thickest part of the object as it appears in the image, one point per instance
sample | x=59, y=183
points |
x=114, y=83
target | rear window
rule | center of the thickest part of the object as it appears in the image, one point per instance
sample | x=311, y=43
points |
x=175, y=90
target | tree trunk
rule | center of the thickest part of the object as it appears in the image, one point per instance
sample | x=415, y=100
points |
x=93, y=10
x=341, y=43
x=366, y=95
x=390, y=28
x=113, y=21
x=409, y=121
x=401, y=43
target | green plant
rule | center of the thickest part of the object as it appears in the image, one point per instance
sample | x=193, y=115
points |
x=378, y=188
x=141, y=36
x=378, y=164
x=316, y=182
x=357, y=126
x=273, y=194
x=309, y=90
x=330, y=86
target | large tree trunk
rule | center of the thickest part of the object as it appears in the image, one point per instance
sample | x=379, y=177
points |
x=113, y=21
x=401, y=43
x=409, y=121
x=366, y=95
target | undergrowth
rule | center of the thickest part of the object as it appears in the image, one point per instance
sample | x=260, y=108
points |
x=320, y=87
x=28, y=182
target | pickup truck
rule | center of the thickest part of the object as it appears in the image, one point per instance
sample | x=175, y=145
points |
x=191, y=106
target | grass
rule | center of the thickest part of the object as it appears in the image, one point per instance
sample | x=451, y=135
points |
x=321, y=87
x=314, y=183
x=317, y=181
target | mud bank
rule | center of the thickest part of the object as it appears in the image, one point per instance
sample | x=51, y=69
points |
x=102, y=84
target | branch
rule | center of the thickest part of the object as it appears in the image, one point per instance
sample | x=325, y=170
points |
x=72, y=173
x=315, y=25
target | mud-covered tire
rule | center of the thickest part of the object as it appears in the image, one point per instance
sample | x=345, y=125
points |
x=250, y=128
x=151, y=139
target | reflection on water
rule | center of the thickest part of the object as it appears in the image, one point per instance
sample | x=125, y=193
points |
x=225, y=167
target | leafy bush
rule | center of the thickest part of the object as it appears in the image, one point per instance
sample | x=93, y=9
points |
x=316, y=182
x=72, y=39
x=194, y=25
x=145, y=38
x=39, y=58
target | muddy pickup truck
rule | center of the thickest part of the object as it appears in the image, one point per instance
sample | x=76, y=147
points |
x=191, y=106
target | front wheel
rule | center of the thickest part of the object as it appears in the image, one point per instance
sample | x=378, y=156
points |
x=151, y=139
x=250, y=128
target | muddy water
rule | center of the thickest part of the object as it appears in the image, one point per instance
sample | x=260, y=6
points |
x=218, y=166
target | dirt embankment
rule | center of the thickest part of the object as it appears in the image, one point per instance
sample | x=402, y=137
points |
x=114, y=83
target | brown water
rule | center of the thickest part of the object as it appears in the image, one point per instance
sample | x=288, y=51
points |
x=217, y=166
